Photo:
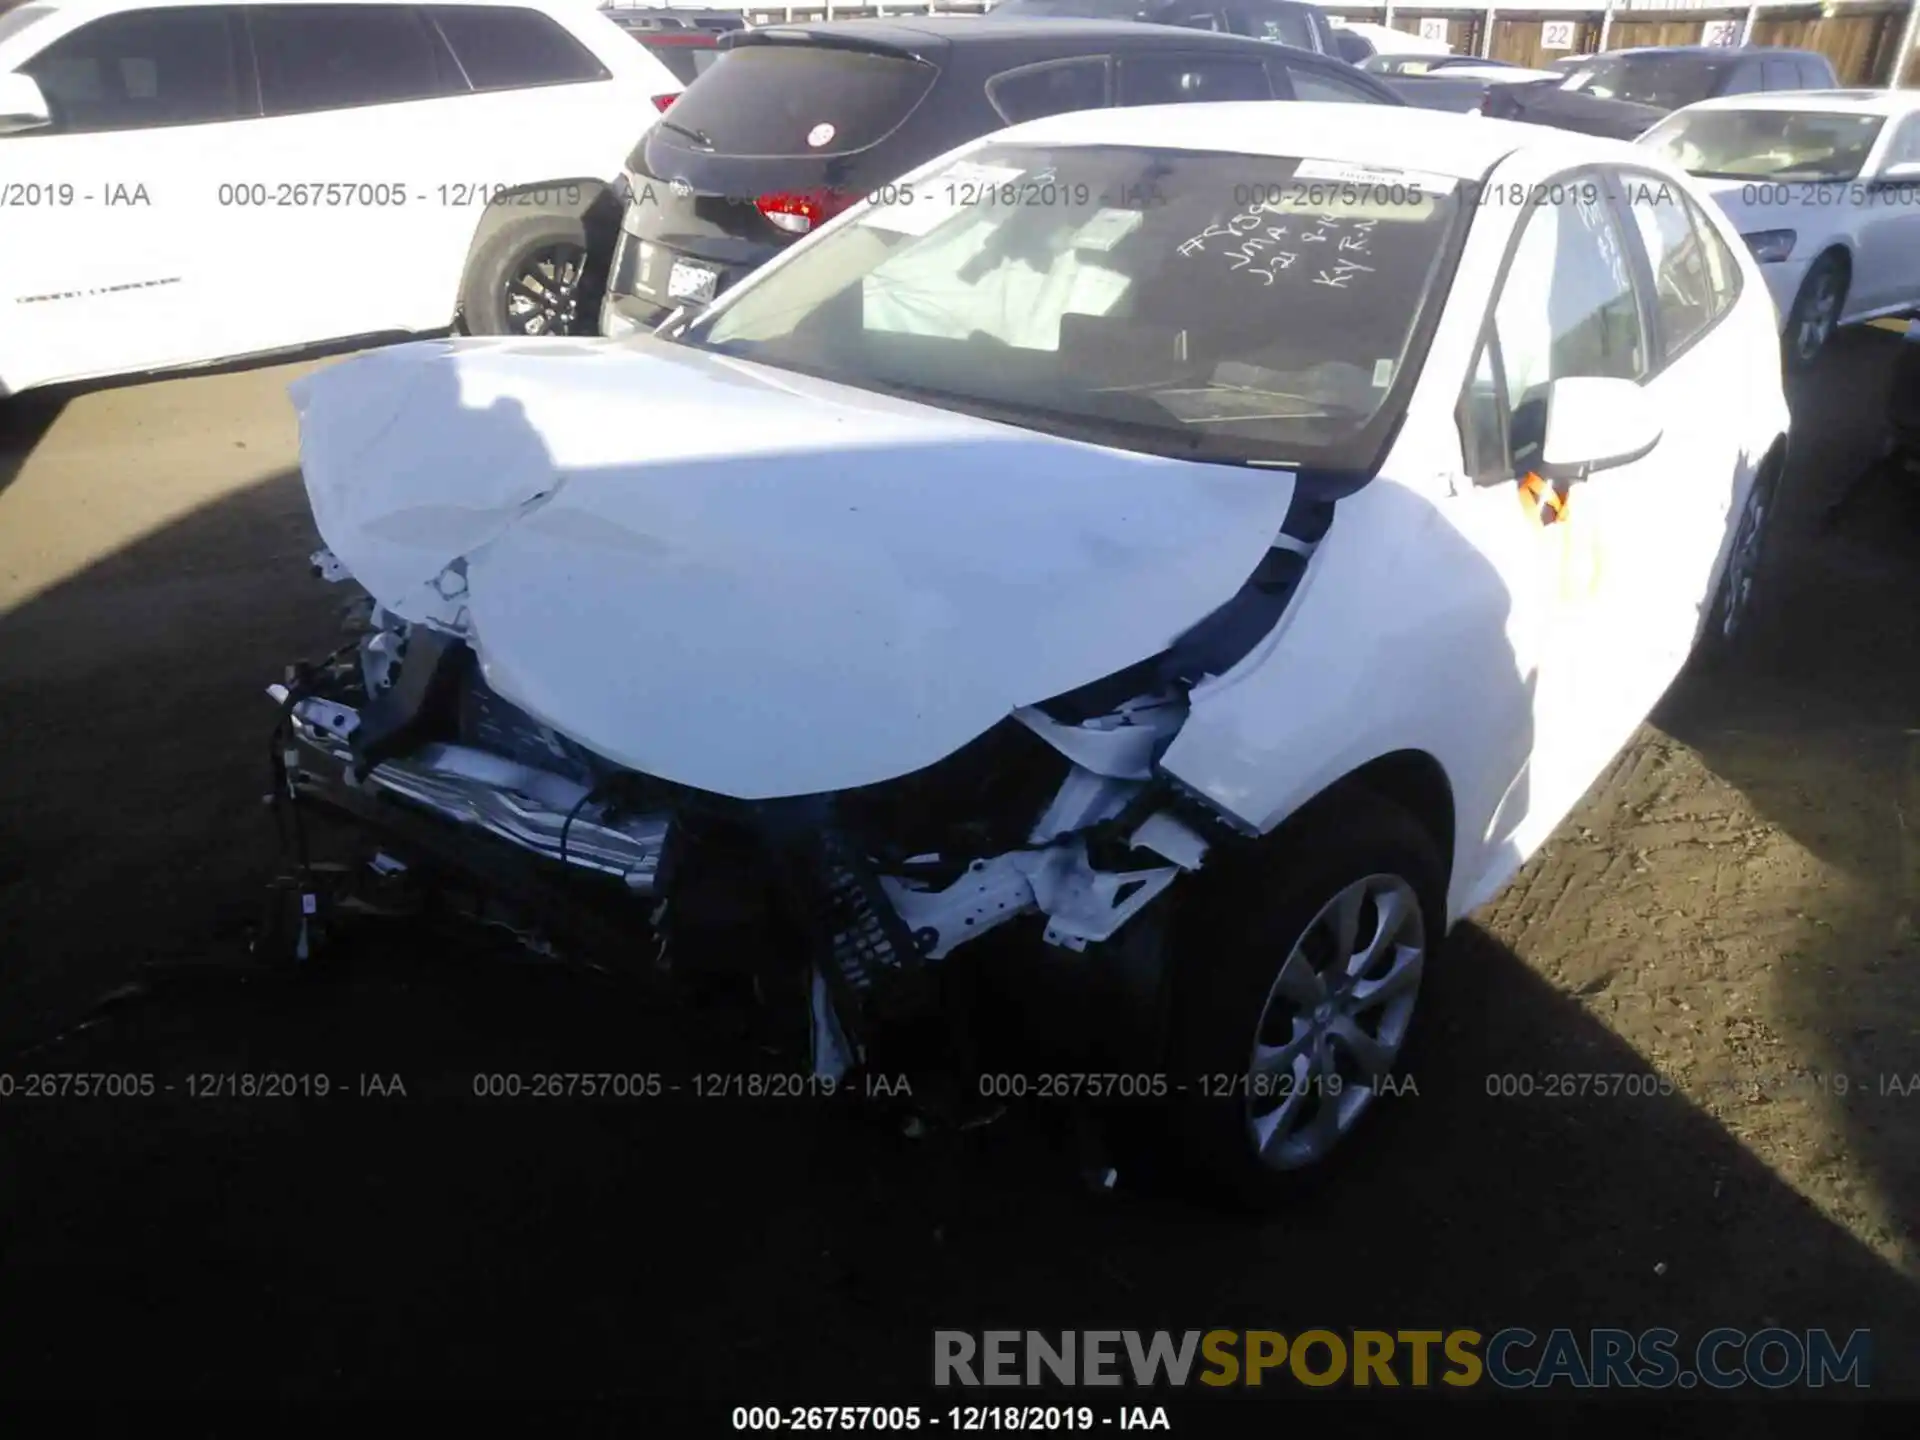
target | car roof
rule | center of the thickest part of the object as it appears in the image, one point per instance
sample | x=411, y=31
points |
x=1777, y=51
x=930, y=31
x=1835, y=102
x=88, y=9
x=1438, y=142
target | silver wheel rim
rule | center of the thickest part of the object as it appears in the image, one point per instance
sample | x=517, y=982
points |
x=1744, y=559
x=1816, y=320
x=1335, y=1021
x=543, y=294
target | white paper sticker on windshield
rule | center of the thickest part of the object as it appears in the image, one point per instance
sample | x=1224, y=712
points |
x=1371, y=178
x=821, y=134
x=1107, y=229
x=919, y=207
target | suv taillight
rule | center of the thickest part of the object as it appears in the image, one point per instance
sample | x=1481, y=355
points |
x=661, y=102
x=797, y=214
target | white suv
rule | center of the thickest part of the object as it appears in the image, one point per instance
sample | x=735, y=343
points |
x=184, y=183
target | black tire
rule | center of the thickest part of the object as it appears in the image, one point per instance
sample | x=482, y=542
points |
x=1825, y=286
x=1728, y=617
x=522, y=259
x=1232, y=934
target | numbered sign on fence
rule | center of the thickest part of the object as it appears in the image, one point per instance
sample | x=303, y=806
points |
x=1557, y=35
x=1434, y=29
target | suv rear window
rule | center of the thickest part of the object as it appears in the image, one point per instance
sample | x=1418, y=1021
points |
x=507, y=49
x=688, y=54
x=785, y=100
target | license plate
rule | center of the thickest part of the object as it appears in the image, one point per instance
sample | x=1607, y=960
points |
x=688, y=281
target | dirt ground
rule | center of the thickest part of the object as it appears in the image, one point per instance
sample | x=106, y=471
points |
x=1733, y=910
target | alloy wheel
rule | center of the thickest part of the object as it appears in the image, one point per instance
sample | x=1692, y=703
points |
x=1743, y=561
x=1818, y=315
x=1334, y=1021
x=543, y=291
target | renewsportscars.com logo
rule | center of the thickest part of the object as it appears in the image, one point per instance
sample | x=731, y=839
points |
x=1510, y=1359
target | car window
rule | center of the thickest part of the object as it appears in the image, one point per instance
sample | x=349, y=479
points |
x=1743, y=79
x=1723, y=271
x=790, y=100
x=1781, y=75
x=1198, y=20
x=1181, y=79
x=1285, y=25
x=1036, y=91
x=688, y=62
x=1676, y=255
x=141, y=69
x=1571, y=253
x=1766, y=144
x=509, y=49
x=1904, y=147
x=335, y=57
x=1311, y=83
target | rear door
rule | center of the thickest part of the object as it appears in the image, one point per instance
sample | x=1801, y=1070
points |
x=1690, y=283
x=112, y=257
x=339, y=212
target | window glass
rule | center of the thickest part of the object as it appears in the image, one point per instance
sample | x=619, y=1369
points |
x=1180, y=79
x=503, y=49
x=1570, y=253
x=1759, y=144
x=1482, y=441
x=139, y=69
x=1312, y=84
x=1677, y=254
x=1743, y=79
x=1723, y=271
x=1904, y=148
x=1041, y=90
x=687, y=56
x=335, y=57
x=1287, y=27
x=1781, y=75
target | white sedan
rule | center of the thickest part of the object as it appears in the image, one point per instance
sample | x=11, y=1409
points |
x=1191, y=574
x=1824, y=186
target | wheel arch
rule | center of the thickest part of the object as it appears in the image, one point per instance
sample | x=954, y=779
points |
x=593, y=202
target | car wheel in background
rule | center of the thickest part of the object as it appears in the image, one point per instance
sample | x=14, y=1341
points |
x=1299, y=967
x=1816, y=311
x=536, y=276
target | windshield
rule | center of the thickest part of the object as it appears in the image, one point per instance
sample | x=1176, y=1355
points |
x=1220, y=307
x=1666, y=81
x=1767, y=144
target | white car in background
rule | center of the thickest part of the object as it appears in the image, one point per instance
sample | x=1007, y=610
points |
x=1197, y=591
x=1824, y=186
x=186, y=183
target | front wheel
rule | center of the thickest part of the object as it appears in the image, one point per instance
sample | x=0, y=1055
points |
x=1728, y=615
x=1299, y=972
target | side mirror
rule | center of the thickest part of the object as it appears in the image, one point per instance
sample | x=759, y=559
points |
x=1907, y=172
x=22, y=106
x=1596, y=424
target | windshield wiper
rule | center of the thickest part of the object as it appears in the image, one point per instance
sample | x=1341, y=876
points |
x=699, y=137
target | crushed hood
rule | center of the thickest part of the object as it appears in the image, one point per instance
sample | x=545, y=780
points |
x=751, y=582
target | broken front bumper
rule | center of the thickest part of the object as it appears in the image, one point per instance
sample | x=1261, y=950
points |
x=539, y=812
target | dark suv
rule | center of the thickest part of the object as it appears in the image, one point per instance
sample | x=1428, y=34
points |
x=1623, y=93
x=802, y=121
x=1290, y=22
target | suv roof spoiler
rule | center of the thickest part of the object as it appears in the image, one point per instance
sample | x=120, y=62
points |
x=829, y=39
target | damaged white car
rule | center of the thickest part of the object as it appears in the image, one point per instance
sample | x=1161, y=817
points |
x=1152, y=587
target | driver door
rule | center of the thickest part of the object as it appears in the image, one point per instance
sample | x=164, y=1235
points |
x=1567, y=306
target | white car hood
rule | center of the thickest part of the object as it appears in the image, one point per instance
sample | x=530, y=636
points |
x=751, y=582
